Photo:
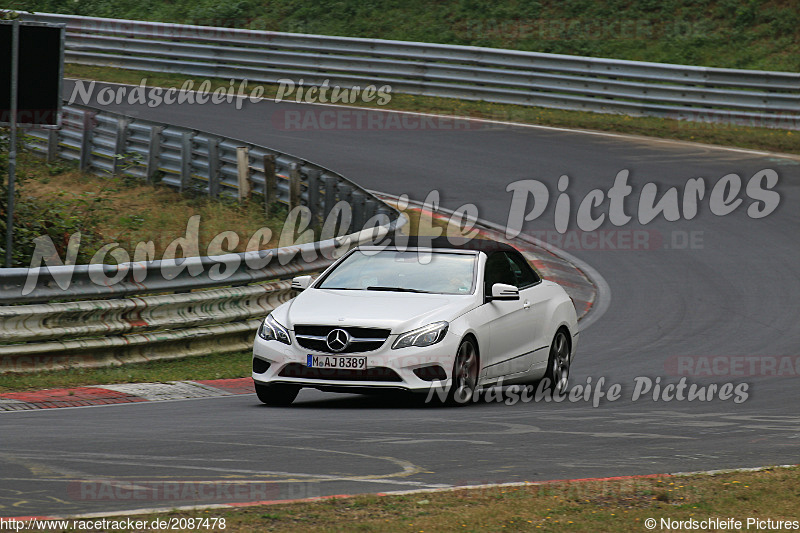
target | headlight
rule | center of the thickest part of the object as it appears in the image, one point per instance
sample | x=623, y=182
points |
x=424, y=336
x=270, y=330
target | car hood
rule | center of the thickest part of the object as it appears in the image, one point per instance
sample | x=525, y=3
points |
x=400, y=311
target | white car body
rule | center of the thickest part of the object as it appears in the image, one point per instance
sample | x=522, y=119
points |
x=513, y=337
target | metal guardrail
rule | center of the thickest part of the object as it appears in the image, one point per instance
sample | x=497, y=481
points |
x=106, y=332
x=160, y=317
x=92, y=315
x=494, y=75
x=108, y=143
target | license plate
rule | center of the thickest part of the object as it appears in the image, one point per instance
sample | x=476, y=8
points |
x=336, y=361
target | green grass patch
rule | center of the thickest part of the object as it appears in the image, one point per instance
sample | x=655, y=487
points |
x=757, y=138
x=584, y=506
x=57, y=200
x=214, y=366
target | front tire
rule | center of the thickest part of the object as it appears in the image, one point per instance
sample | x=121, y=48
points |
x=465, y=374
x=558, y=363
x=276, y=395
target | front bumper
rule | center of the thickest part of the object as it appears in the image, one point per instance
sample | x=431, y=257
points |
x=387, y=369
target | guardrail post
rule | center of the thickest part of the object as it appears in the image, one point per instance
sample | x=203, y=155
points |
x=153, y=153
x=330, y=194
x=346, y=195
x=86, y=141
x=270, y=183
x=358, y=210
x=52, y=145
x=294, y=185
x=370, y=208
x=213, y=167
x=243, y=172
x=186, y=159
x=120, y=146
x=313, y=192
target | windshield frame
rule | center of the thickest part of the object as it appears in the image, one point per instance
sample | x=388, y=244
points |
x=378, y=249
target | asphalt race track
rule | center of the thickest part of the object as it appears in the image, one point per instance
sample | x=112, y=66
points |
x=731, y=293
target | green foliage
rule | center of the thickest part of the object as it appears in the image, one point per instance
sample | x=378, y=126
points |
x=756, y=34
x=57, y=217
x=59, y=167
x=126, y=162
x=131, y=222
x=10, y=14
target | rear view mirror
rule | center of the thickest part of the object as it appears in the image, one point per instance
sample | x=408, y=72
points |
x=301, y=283
x=501, y=291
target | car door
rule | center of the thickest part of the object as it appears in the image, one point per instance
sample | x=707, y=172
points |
x=504, y=321
x=534, y=297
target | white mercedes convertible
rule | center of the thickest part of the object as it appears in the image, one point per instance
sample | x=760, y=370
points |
x=454, y=317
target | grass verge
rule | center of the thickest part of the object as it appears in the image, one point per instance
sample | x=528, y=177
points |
x=774, y=140
x=214, y=366
x=579, y=506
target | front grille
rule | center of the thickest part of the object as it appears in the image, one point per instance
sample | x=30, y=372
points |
x=362, y=339
x=296, y=370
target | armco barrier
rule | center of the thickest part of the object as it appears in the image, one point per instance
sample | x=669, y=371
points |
x=92, y=315
x=108, y=143
x=466, y=72
x=155, y=311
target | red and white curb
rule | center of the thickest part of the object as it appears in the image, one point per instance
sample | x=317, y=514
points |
x=517, y=484
x=123, y=393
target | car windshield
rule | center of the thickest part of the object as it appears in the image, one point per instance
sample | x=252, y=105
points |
x=409, y=271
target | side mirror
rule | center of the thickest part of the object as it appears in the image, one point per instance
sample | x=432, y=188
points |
x=501, y=291
x=301, y=283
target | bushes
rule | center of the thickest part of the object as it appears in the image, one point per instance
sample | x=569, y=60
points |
x=57, y=217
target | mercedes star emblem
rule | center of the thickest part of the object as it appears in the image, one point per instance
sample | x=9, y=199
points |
x=338, y=340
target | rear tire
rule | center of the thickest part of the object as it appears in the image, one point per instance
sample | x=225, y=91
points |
x=276, y=395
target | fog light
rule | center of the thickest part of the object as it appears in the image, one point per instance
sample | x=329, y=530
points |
x=260, y=366
x=430, y=373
